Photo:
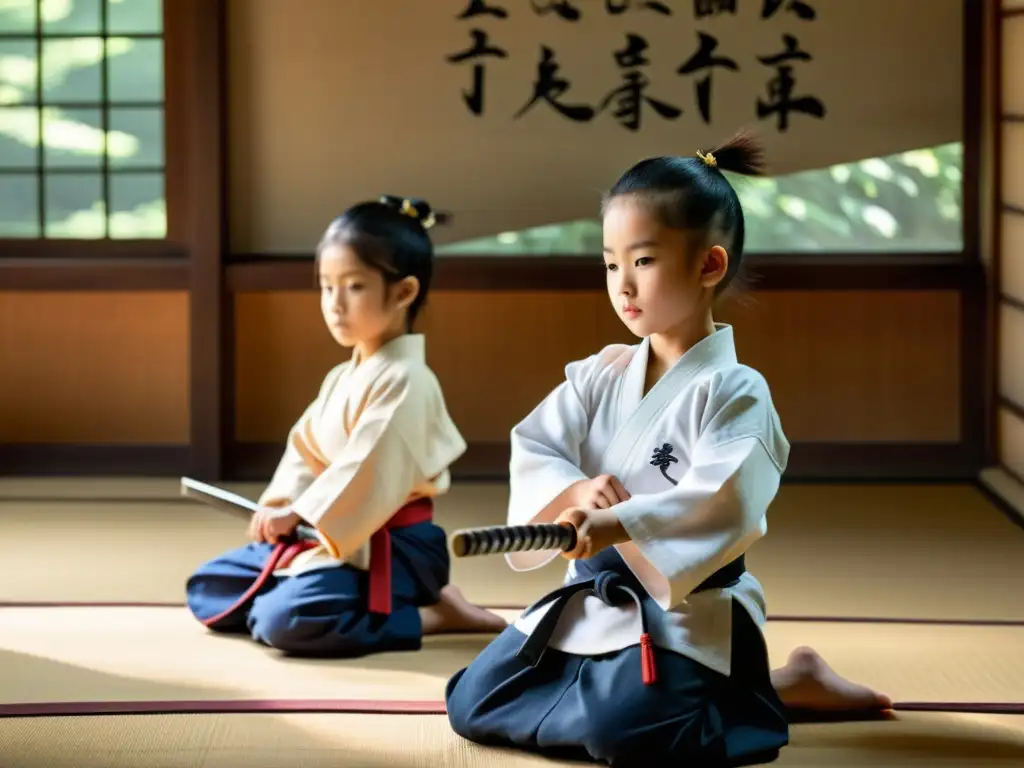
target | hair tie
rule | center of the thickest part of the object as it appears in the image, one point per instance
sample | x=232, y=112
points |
x=709, y=159
x=408, y=209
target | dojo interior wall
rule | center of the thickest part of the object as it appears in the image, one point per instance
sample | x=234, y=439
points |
x=1010, y=307
x=845, y=366
x=848, y=367
x=112, y=368
x=95, y=368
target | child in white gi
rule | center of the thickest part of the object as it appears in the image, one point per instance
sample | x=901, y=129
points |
x=665, y=457
x=359, y=473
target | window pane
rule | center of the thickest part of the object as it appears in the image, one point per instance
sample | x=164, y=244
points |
x=72, y=138
x=136, y=70
x=55, y=143
x=80, y=17
x=137, y=206
x=18, y=16
x=573, y=237
x=19, y=205
x=136, y=138
x=19, y=137
x=71, y=70
x=910, y=201
x=74, y=205
x=138, y=17
x=18, y=64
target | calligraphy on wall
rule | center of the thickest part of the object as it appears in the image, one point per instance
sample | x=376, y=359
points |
x=635, y=96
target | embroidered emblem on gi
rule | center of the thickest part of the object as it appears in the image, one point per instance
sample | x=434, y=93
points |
x=663, y=459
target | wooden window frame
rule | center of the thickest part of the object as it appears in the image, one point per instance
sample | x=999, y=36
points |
x=189, y=259
x=72, y=261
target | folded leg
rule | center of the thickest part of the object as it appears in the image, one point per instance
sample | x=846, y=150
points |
x=219, y=583
x=325, y=612
x=597, y=707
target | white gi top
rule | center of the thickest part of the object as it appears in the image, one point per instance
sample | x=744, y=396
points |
x=714, y=427
x=377, y=437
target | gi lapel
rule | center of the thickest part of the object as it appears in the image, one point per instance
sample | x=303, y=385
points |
x=637, y=422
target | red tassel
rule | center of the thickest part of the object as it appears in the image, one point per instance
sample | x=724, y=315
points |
x=647, y=659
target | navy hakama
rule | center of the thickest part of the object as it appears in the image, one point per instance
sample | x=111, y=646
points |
x=324, y=611
x=520, y=693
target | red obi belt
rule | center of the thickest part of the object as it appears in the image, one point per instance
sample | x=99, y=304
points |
x=413, y=513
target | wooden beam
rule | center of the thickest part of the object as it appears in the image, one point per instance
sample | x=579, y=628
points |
x=74, y=274
x=257, y=272
x=196, y=33
x=852, y=462
x=88, y=250
x=994, y=33
x=868, y=462
x=53, y=460
x=976, y=343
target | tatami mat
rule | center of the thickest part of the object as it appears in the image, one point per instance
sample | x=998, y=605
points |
x=162, y=654
x=890, y=551
x=86, y=488
x=426, y=741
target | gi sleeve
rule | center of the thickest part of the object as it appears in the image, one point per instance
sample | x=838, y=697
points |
x=374, y=474
x=545, y=461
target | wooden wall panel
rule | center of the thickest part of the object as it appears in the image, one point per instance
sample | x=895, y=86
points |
x=845, y=366
x=1011, y=353
x=1011, y=260
x=991, y=55
x=94, y=368
x=1011, y=442
x=1013, y=65
x=1010, y=357
x=1013, y=164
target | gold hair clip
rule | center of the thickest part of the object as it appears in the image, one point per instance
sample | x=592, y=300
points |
x=409, y=210
x=708, y=159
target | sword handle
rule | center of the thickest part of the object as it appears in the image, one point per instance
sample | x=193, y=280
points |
x=502, y=539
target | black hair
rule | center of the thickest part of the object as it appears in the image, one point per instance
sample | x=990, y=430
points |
x=390, y=235
x=693, y=194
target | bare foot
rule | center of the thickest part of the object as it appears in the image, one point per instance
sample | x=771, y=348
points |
x=808, y=683
x=454, y=613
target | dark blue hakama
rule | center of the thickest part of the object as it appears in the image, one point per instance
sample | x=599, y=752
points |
x=519, y=693
x=324, y=611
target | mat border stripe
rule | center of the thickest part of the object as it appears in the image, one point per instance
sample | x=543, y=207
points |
x=221, y=707
x=388, y=707
x=781, y=618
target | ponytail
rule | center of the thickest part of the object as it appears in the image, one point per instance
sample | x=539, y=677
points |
x=743, y=154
